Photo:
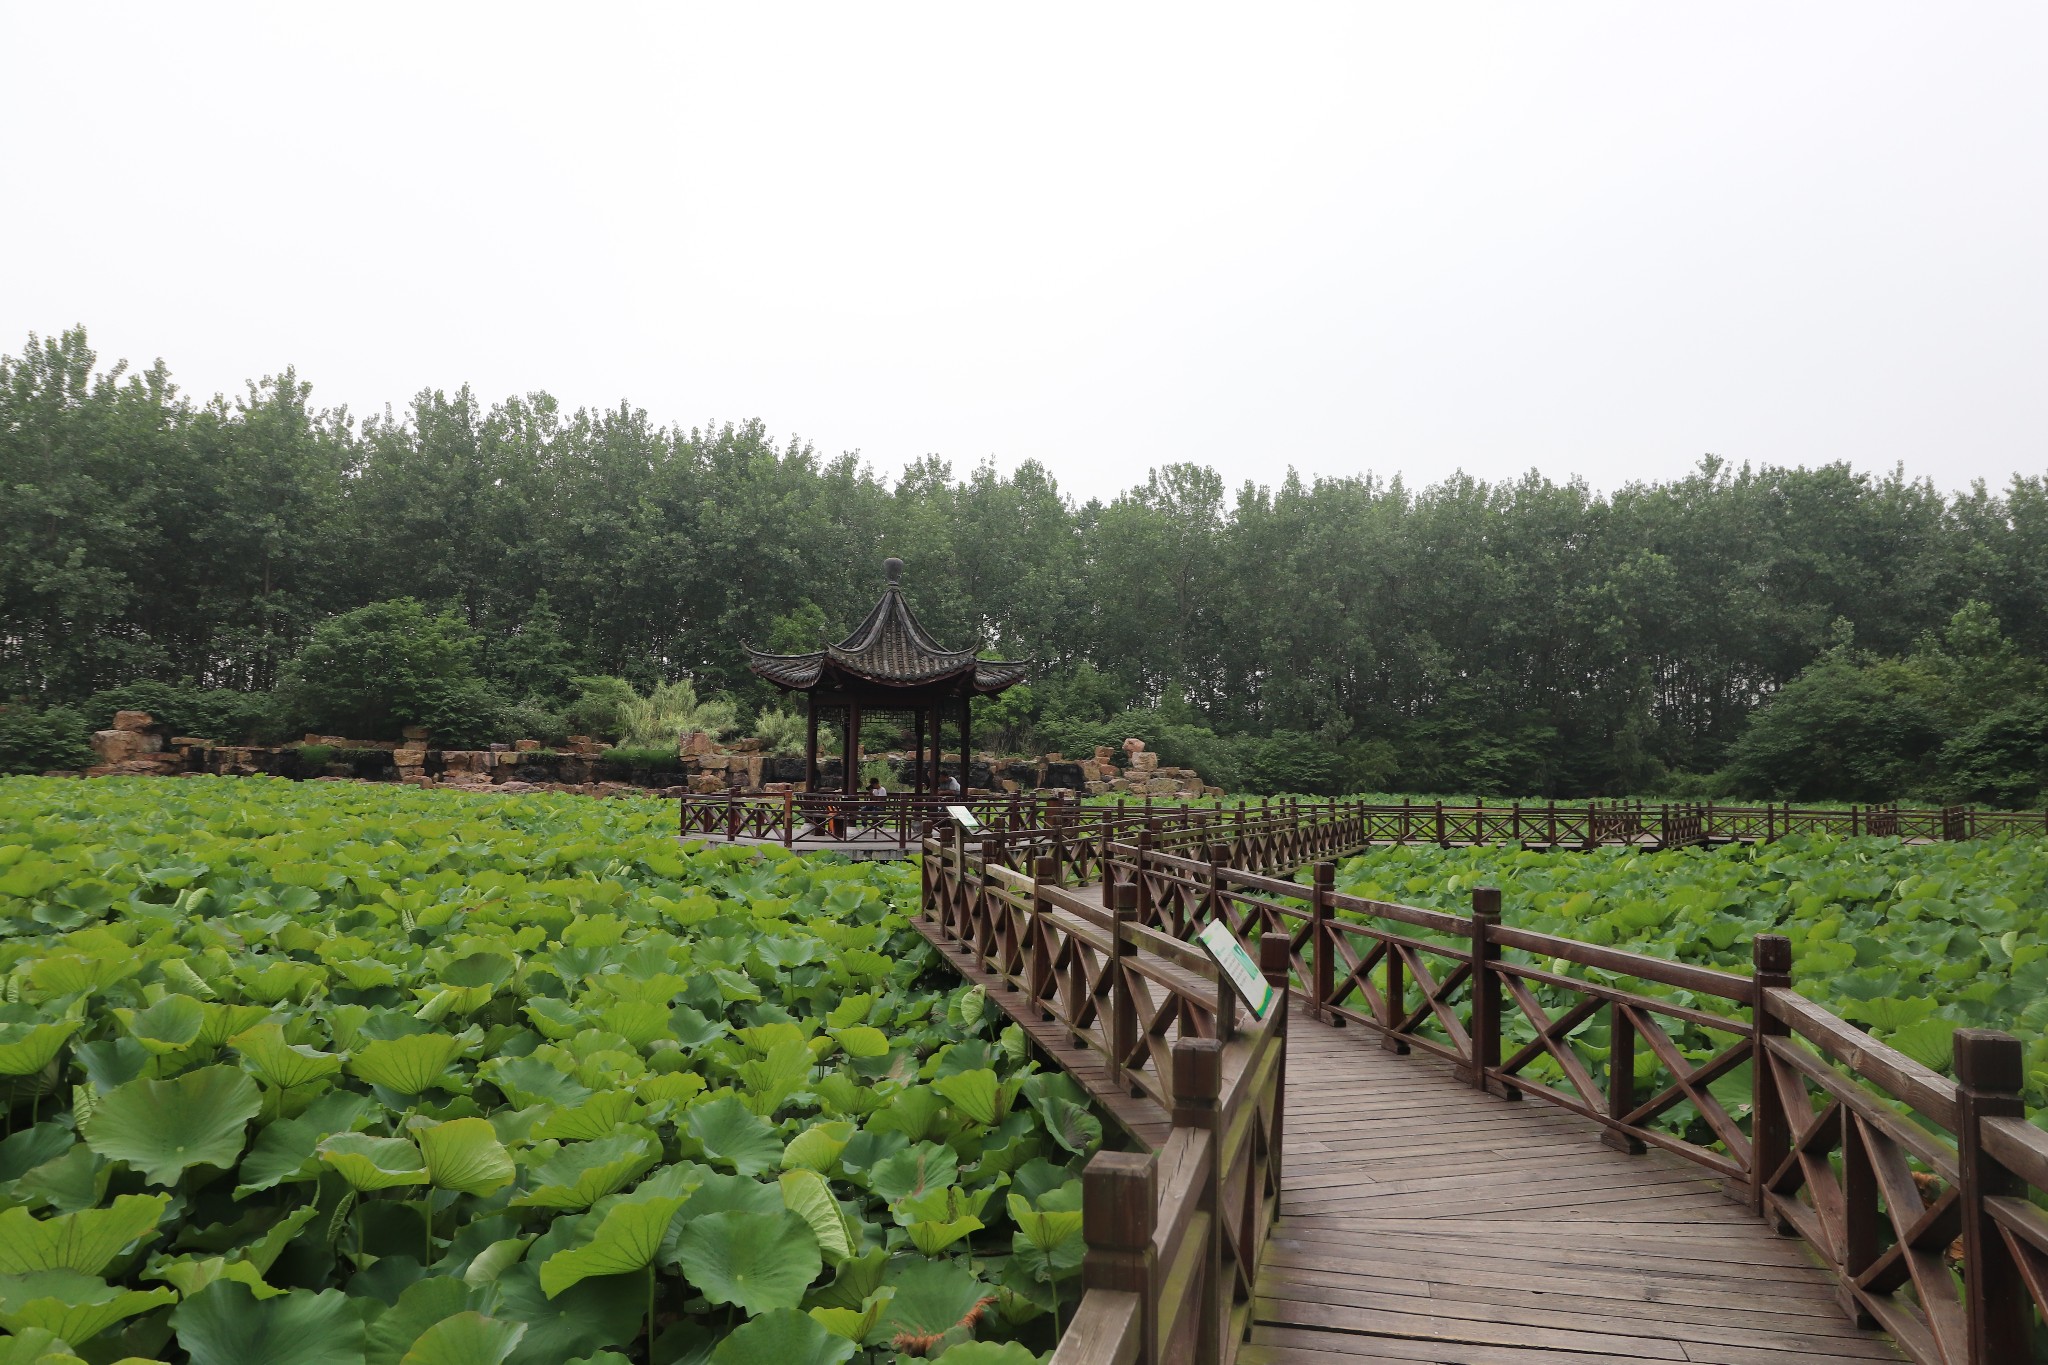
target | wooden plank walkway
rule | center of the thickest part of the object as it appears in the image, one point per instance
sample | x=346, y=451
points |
x=1423, y=1221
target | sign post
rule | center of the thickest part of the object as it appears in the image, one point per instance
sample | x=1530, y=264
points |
x=1237, y=965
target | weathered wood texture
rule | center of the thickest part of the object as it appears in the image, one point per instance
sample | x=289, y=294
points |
x=1432, y=1215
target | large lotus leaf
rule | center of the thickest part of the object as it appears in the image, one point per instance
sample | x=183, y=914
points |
x=843, y=1094
x=755, y=1261
x=927, y=1166
x=977, y=1095
x=466, y=1339
x=373, y=1163
x=862, y=1040
x=163, y=1127
x=285, y=1149
x=782, y=1337
x=494, y=1260
x=409, y=1065
x=733, y=1136
x=226, y=1324
x=33, y=1147
x=595, y=1117
x=188, y=1275
x=73, y=1306
x=1072, y=1126
x=465, y=1154
x=817, y=1147
x=72, y=1183
x=991, y=1353
x=692, y=1030
x=853, y=1283
x=639, y=1022
x=626, y=1240
x=283, y=1064
x=85, y=1242
x=529, y=1080
x=1048, y=1241
x=420, y=1305
x=27, y=1048
x=933, y=1236
x=915, y=1111
x=588, y=1317
x=717, y=1193
x=806, y=1195
x=36, y=1347
x=669, y=1087
x=932, y=1299
x=552, y=1018
x=772, y=1079
x=225, y=1021
x=172, y=1024
x=581, y=1173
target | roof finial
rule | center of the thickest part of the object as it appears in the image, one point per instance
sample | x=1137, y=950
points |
x=892, y=569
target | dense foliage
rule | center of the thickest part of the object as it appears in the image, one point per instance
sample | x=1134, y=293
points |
x=1909, y=941
x=328, y=1074
x=1525, y=637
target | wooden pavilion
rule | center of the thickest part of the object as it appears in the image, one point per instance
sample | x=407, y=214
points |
x=889, y=665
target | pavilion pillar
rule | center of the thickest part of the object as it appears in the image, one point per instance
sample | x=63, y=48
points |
x=810, y=742
x=966, y=738
x=850, y=765
x=917, y=761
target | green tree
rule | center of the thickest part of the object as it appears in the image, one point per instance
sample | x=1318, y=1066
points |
x=370, y=672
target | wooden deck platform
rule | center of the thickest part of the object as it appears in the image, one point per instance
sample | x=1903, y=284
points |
x=1423, y=1221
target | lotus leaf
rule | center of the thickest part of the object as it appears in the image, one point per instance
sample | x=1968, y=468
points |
x=759, y=1262
x=806, y=1194
x=285, y=1149
x=73, y=1182
x=467, y=1338
x=283, y=1064
x=373, y=1163
x=991, y=1353
x=28, y=1048
x=782, y=1337
x=932, y=1299
x=409, y=1065
x=856, y=1324
x=816, y=1148
x=465, y=1155
x=494, y=1259
x=932, y=1237
x=162, y=1128
x=70, y=1305
x=172, y=1024
x=717, y=1193
x=85, y=1242
x=626, y=1240
x=733, y=1136
x=529, y=1080
x=578, y=1174
x=914, y=1170
x=226, y=1324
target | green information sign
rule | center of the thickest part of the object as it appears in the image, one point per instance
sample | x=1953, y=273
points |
x=1237, y=964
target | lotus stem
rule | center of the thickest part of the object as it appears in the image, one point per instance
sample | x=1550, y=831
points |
x=650, y=1310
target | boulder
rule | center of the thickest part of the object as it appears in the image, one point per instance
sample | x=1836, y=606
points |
x=418, y=732
x=525, y=746
x=133, y=720
x=698, y=743
x=1161, y=786
x=1134, y=746
x=1144, y=762
x=122, y=746
x=707, y=784
x=188, y=742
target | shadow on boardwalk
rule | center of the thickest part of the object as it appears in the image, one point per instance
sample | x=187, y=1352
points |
x=1420, y=1221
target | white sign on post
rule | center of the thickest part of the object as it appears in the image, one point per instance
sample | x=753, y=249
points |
x=964, y=818
x=1237, y=964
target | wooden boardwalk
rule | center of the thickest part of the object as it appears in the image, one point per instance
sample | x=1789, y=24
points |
x=1423, y=1221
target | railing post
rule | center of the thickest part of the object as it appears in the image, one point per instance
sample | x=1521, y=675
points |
x=1123, y=1013
x=1770, y=1132
x=1322, y=939
x=1621, y=1079
x=1197, y=1088
x=1273, y=954
x=1119, y=1213
x=1988, y=1080
x=1486, y=992
x=1214, y=906
x=788, y=819
x=1143, y=904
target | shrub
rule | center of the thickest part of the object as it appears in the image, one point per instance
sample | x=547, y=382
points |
x=315, y=755
x=533, y=718
x=1838, y=731
x=644, y=756
x=781, y=732
x=372, y=671
x=36, y=741
x=609, y=707
x=2002, y=760
x=207, y=712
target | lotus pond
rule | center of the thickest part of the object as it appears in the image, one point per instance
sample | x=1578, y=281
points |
x=329, y=1074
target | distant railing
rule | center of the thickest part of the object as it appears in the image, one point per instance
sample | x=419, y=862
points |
x=1924, y=1195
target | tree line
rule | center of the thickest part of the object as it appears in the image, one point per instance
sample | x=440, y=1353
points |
x=1530, y=637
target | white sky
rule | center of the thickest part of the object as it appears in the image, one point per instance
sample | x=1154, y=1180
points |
x=1591, y=239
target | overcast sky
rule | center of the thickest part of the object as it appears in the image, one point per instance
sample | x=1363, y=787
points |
x=1594, y=240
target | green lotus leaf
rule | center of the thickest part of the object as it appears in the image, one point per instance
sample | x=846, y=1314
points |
x=1071, y=1126
x=85, y=1242
x=932, y=1237
x=639, y=1022
x=588, y=1317
x=70, y=1305
x=494, y=1260
x=285, y=1149
x=581, y=1173
x=72, y=1183
x=529, y=1080
x=465, y=1154
x=27, y=1048
x=977, y=1095
x=188, y=1276
x=733, y=1136
x=759, y=1262
x=669, y=1088
x=172, y=1024
x=855, y=1324
x=283, y=1064
x=365, y=973
x=934, y=1298
x=772, y=1079
x=842, y=1094
x=595, y=1117
x=78, y=974
x=991, y=1353
x=805, y=1194
x=716, y=1193
x=626, y=1240
x=224, y=1021
x=862, y=1040
x=467, y=1338
x=1048, y=1243
x=409, y=1065
x=373, y=1163
x=915, y=1111
x=226, y=1324
x=162, y=1128
x=555, y=1019
x=692, y=1030
x=856, y=1280
x=33, y=1147
x=911, y=1172
x=782, y=1337
x=420, y=1305
x=816, y=1148
x=36, y=1347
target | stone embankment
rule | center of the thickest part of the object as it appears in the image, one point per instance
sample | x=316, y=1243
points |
x=138, y=746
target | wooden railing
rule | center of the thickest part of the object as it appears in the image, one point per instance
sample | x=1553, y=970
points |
x=1923, y=1194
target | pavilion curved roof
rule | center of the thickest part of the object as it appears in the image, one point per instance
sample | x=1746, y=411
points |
x=889, y=648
